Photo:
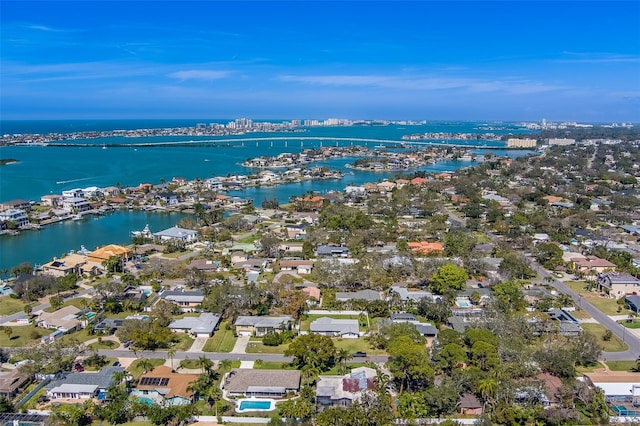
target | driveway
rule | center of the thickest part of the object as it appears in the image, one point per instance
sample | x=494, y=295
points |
x=198, y=344
x=241, y=345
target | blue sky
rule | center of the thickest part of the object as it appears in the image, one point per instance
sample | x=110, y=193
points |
x=396, y=60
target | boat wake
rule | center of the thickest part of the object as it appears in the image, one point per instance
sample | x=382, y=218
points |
x=60, y=182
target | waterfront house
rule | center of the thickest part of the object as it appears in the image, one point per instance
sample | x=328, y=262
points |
x=344, y=328
x=52, y=200
x=618, y=284
x=65, y=319
x=165, y=387
x=202, y=326
x=261, y=325
x=176, y=233
x=11, y=383
x=79, y=386
x=17, y=216
x=103, y=254
x=169, y=198
x=187, y=300
x=245, y=382
x=213, y=184
x=76, y=204
x=16, y=204
x=72, y=193
x=313, y=203
x=70, y=264
x=342, y=391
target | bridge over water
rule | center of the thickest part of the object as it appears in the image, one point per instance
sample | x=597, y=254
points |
x=286, y=140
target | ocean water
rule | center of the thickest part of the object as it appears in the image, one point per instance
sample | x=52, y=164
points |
x=43, y=170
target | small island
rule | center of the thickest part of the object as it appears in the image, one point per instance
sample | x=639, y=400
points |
x=6, y=161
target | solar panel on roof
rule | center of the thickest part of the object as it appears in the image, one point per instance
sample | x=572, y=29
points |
x=154, y=381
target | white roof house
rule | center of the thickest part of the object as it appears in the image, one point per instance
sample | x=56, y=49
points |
x=347, y=328
x=204, y=325
x=176, y=233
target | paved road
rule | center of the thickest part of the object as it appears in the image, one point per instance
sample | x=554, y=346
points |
x=216, y=356
x=629, y=338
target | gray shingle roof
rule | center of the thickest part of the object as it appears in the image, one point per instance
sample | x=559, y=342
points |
x=332, y=325
x=102, y=378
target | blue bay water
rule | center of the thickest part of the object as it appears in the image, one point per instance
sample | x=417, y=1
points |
x=43, y=170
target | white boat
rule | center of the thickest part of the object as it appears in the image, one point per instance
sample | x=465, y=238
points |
x=77, y=217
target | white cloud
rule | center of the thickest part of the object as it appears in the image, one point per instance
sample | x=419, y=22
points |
x=199, y=75
x=513, y=86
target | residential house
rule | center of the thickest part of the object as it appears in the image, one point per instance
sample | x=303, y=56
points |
x=312, y=293
x=369, y=295
x=261, y=325
x=633, y=302
x=258, y=264
x=65, y=319
x=72, y=193
x=16, y=204
x=176, y=233
x=618, y=386
x=332, y=250
x=344, y=328
x=342, y=391
x=108, y=326
x=591, y=265
x=83, y=385
x=618, y=284
x=165, y=387
x=313, y=203
x=18, y=216
x=568, y=325
x=425, y=247
x=242, y=382
x=111, y=191
x=168, y=198
x=205, y=264
x=426, y=329
x=11, y=383
x=202, y=326
x=52, y=200
x=103, y=254
x=76, y=204
x=70, y=264
x=187, y=300
x=409, y=295
x=301, y=267
x=298, y=230
x=470, y=405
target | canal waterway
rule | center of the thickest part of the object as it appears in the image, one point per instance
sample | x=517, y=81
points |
x=43, y=170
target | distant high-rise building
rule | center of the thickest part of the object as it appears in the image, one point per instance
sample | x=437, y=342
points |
x=521, y=143
x=559, y=141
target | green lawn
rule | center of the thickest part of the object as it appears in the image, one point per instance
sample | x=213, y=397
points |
x=273, y=365
x=357, y=345
x=190, y=363
x=222, y=341
x=184, y=342
x=613, y=345
x=135, y=369
x=622, y=365
x=305, y=323
x=176, y=254
x=105, y=344
x=260, y=348
x=78, y=302
x=250, y=239
x=25, y=335
x=79, y=336
x=605, y=305
x=630, y=324
x=580, y=314
x=9, y=305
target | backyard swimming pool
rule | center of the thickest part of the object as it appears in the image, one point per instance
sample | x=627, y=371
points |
x=255, y=405
x=146, y=400
x=462, y=303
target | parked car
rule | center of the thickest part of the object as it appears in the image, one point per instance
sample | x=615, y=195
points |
x=78, y=367
x=360, y=354
x=116, y=364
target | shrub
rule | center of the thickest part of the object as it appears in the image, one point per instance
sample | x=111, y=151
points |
x=272, y=339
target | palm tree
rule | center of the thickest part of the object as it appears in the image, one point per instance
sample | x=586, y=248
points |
x=342, y=356
x=487, y=389
x=145, y=364
x=206, y=364
x=225, y=364
x=170, y=353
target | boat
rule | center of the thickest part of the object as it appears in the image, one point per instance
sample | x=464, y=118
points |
x=380, y=147
x=104, y=146
x=77, y=217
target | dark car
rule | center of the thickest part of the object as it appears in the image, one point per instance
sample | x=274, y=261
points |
x=116, y=364
x=360, y=354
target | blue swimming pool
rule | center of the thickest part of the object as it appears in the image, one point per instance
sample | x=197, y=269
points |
x=90, y=315
x=146, y=400
x=256, y=405
x=462, y=303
